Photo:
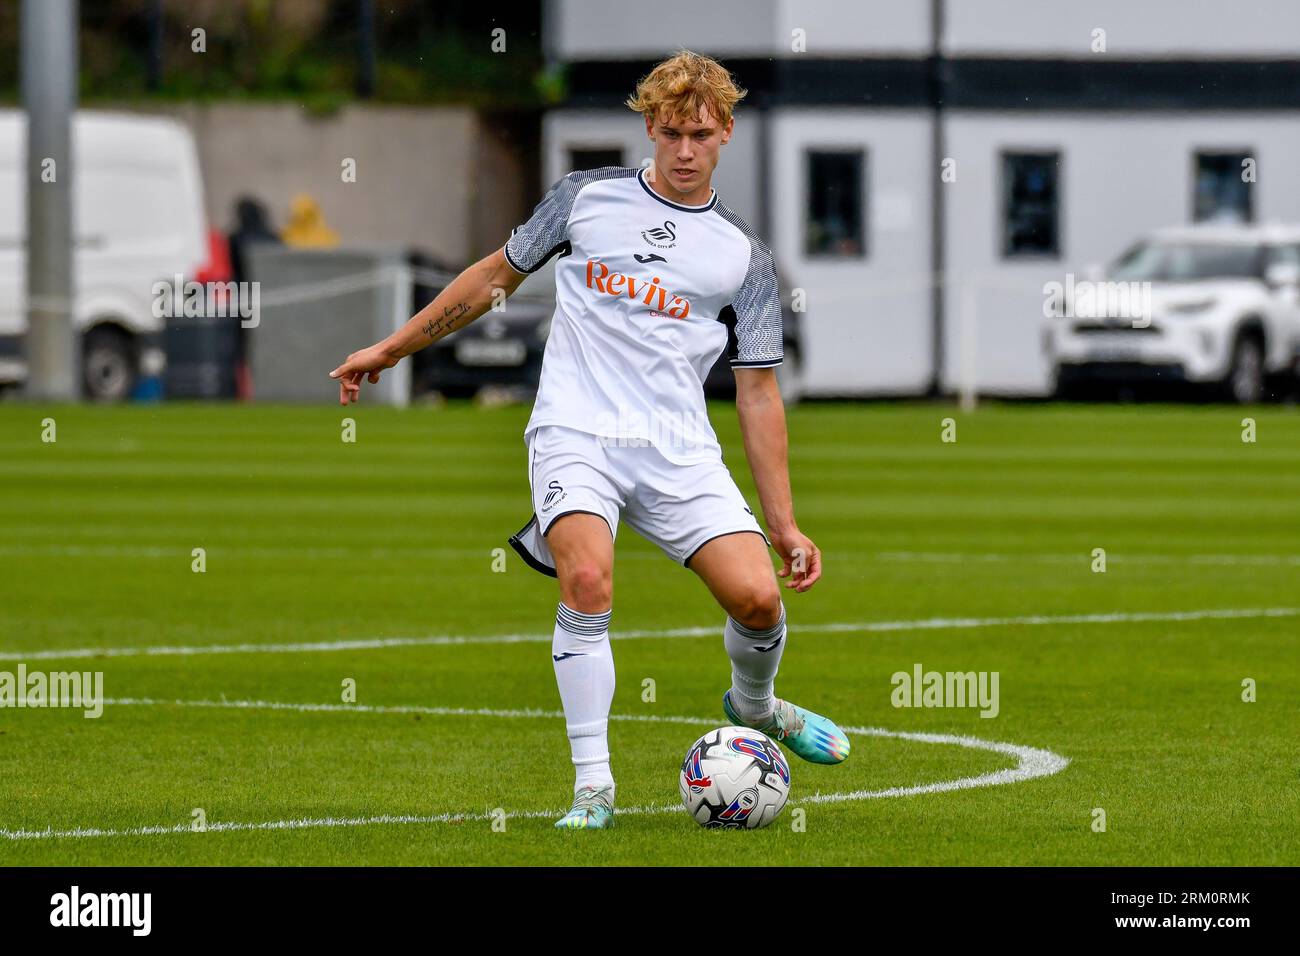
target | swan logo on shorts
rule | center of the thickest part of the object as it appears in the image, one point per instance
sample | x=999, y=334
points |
x=556, y=494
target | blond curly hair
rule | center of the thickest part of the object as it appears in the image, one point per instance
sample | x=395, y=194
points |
x=683, y=85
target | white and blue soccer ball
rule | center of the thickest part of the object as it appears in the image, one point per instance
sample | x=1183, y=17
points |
x=734, y=778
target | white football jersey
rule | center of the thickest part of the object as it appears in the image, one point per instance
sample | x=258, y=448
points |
x=646, y=293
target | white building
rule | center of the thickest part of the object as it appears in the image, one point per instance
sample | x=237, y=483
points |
x=1066, y=130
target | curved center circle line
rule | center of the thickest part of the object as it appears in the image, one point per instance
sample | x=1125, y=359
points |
x=1032, y=763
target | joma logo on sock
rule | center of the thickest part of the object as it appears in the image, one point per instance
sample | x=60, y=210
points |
x=946, y=689
x=103, y=909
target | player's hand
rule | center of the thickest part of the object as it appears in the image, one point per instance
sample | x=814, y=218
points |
x=367, y=363
x=801, y=559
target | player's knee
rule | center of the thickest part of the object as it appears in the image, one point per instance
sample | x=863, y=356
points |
x=759, y=608
x=587, y=587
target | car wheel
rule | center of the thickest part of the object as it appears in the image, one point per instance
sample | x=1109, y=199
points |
x=108, y=365
x=1056, y=387
x=1244, y=383
x=1065, y=385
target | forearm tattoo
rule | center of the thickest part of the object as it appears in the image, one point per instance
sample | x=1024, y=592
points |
x=446, y=323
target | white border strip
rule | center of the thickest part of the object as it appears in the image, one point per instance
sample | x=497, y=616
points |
x=923, y=624
x=1031, y=763
x=1113, y=557
x=171, y=551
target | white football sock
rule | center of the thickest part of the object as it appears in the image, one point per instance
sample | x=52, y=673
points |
x=755, y=656
x=584, y=671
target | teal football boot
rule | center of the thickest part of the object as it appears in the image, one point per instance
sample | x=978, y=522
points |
x=811, y=736
x=593, y=809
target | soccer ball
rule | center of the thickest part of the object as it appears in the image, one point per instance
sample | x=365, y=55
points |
x=734, y=778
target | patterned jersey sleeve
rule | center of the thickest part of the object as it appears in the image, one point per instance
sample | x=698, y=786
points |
x=546, y=233
x=757, y=307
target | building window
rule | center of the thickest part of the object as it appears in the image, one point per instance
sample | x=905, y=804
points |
x=1031, y=204
x=836, y=204
x=595, y=158
x=1222, y=189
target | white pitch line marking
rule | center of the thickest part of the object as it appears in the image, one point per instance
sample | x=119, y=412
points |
x=1032, y=763
x=415, y=551
x=922, y=624
x=976, y=557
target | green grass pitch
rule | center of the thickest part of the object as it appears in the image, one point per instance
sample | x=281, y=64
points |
x=311, y=540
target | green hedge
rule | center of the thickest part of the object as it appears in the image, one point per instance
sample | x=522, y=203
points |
x=301, y=49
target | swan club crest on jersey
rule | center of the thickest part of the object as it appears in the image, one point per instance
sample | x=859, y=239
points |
x=648, y=294
x=661, y=237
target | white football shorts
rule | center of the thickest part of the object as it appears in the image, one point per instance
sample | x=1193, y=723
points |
x=676, y=507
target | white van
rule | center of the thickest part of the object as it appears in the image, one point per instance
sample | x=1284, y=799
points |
x=137, y=218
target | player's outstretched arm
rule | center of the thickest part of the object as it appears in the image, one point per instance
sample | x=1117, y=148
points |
x=762, y=425
x=468, y=296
